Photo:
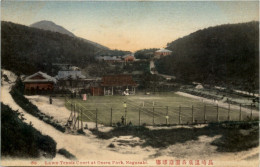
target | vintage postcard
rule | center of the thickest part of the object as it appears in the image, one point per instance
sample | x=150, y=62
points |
x=130, y=83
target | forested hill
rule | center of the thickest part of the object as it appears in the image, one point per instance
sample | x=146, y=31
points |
x=221, y=55
x=51, y=26
x=26, y=50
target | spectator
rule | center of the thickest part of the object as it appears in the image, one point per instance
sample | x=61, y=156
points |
x=122, y=120
x=50, y=100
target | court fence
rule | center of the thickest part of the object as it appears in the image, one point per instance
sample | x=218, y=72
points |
x=155, y=115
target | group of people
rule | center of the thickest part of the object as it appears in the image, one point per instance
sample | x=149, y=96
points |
x=123, y=122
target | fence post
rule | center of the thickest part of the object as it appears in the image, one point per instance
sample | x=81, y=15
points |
x=111, y=117
x=251, y=115
x=75, y=117
x=96, y=118
x=139, y=117
x=74, y=112
x=81, y=119
x=217, y=114
x=240, y=114
x=180, y=115
x=166, y=115
x=192, y=120
x=228, y=112
x=78, y=117
x=153, y=116
x=204, y=113
x=125, y=115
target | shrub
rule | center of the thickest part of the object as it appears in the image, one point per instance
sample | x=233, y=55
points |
x=111, y=145
x=80, y=131
x=22, y=140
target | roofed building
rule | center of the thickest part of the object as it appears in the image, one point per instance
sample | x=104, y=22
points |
x=70, y=79
x=39, y=82
x=128, y=57
x=162, y=52
x=118, y=84
x=109, y=59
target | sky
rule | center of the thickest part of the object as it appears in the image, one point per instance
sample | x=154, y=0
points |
x=131, y=25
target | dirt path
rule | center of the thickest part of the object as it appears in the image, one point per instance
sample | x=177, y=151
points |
x=57, y=109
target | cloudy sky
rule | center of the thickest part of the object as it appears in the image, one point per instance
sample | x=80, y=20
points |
x=131, y=25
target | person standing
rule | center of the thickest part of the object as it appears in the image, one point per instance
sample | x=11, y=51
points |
x=50, y=99
x=122, y=120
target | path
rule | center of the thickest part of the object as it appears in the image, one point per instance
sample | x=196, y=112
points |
x=152, y=66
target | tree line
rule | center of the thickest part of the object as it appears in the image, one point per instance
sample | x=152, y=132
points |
x=225, y=55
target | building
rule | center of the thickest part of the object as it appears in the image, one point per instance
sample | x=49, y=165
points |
x=161, y=53
x=39, y=82
x=109, y=59
x=128, y=58
x=70, y=79
x=118, y=84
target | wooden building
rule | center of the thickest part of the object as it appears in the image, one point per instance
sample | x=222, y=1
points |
x=109, y=59
x=96, y=91
x=70, y=79
x=161, y=53
x=39, y=82
x=128, y=58
x=118, y=84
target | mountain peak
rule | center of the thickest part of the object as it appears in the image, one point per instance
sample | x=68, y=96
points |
x=51, y=26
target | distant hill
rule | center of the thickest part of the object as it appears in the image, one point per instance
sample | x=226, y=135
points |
x=26, y=50
x=222, y=55
x=51, y=26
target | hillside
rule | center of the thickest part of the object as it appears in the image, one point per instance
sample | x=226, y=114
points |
x=51, y=26
x=19, y=139
x=225, y=55
x=26, y=50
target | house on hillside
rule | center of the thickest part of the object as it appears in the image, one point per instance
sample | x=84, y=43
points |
x=118, y=84
x=38, y=83
x=109, y=59
x=161, y=53
x=128, y=58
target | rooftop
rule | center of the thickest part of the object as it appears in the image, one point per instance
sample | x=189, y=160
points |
x=69, y=74
x=118, y=80
x=40, y=77
x=163, y=50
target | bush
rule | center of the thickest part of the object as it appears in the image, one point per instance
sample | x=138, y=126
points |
x=111, y=145
x=22, y=140
x=80, y=131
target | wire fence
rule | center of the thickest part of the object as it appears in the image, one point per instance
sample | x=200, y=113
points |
x=155, y=115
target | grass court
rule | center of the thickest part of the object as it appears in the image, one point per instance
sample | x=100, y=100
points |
x=153, y=109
